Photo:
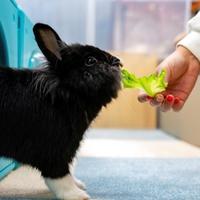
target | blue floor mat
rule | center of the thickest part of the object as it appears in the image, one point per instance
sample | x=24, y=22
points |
x=139, y=179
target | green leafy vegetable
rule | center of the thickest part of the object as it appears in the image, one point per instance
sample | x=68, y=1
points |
x=152, y=84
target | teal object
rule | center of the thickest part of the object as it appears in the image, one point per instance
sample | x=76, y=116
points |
x=28, y=51
x=9, y=33
x=18, y=49
x=6, y=165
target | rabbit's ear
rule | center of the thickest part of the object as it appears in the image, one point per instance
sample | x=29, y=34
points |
x=48, y=41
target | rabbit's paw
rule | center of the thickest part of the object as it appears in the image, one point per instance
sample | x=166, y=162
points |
x=66, y=188
x=76, y=194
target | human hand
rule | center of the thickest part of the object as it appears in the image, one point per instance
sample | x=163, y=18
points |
x=182, y=72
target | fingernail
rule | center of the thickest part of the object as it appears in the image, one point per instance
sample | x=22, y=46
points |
x=149, y=98
x=141, y=99
x=170, y=98
x=176, y=101
x=159, y=98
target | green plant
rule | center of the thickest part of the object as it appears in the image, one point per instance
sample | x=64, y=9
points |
x=152, y=84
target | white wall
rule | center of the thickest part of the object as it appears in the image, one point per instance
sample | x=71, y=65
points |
x=66, y=16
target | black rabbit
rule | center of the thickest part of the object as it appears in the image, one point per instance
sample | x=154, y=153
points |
x=45, y=112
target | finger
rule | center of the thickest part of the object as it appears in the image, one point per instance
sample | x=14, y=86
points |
x=143, y=97
x=168, y=103
x=154, y=103
x=164, y=65
x=157, y=100
x=160, y=98
x=178, y=104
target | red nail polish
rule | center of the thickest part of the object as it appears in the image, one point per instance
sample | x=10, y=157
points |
x=176, y=101
x=170, y=98
x=148, y=98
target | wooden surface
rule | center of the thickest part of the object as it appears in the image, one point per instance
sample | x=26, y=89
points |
x=126, y=111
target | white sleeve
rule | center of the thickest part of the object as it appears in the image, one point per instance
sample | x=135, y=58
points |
x=192, y=39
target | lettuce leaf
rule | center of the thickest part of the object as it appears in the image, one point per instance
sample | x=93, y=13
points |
x=152, y=84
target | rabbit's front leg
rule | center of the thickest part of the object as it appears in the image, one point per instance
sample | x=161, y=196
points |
x=66, y=188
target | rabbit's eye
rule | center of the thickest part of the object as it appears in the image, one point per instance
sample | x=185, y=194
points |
x=90, y=61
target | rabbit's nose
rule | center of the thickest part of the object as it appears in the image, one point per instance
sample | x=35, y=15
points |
x=117, y=62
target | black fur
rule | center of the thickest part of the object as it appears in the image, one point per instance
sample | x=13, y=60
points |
x=45, y=112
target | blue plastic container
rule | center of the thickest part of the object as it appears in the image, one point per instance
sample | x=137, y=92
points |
x=9, y=32
x=27, y=47
x=17, y=49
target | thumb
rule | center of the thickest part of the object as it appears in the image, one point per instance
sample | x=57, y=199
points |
x=164, y=66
